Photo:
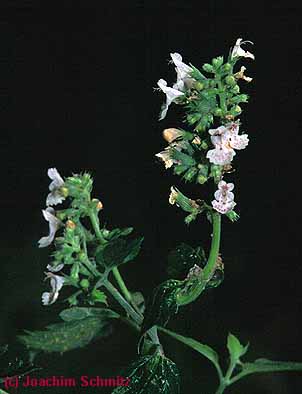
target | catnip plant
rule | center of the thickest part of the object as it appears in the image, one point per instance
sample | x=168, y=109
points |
x=87, y=256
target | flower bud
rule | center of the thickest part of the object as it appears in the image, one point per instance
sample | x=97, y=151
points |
x=227, y=67
x=237, y=109
x=190, y=174
x=70, y=225
x=199, y=85
x=98, y=204
x=85, y=283
x=204, y=145
x=218, y=112
x=230, y=80
x=200, y=127
x=217, y=61
x=196, y=140
x=202, y=179
x=97, y=295
x=64, y=191
x=208, y=68
x=236, y=89
x=171, y=134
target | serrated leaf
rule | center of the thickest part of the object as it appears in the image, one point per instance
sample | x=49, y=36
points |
x=205, y=350
x=154, y=374
x=162, y=305
x=62, y=337
x=235, y=348
x=182, y=258
x=118, y=252
x=79, y=313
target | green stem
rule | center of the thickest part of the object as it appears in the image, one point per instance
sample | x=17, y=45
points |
x=209, y=269
x=121, y=284
x=123, y=302
x=221, y=388
x=96, y=226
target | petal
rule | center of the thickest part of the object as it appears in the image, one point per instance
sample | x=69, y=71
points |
x=57, y=180
x=220, y=157
x=47, y=298
x=55, y=268
x=54, y=224
x=239, y=142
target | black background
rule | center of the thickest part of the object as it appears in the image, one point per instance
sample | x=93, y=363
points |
x=77, y=94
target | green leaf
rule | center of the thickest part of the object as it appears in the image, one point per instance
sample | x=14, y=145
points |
x=235, y=348
x=197, y=75
x=263, y=365
x=117, y=233
x=162, y=305
x=62, y=337
x=3, y=392
x=153, y=374
x=182, y=158
x=79, y=313
x=205, y=350
x=182, y=258
x=118, y=252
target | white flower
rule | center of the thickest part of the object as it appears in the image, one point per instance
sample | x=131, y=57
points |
x=55, y=196
x=54, y=224
x=56, y=283
x=224, y=198
x=237, y=51
x=171, y=95
x=225, y=140
x=183, y=72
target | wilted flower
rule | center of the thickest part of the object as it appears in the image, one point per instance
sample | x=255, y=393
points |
x=171, y=134
x=171, y=95
x=173, y=195
x=167, y=156
x=226, y=139
x=183, y=72
x=56, y=283
x=240, y=75
x=224, y=198
x=56, y=195
x=237, y=51
x=54, y=224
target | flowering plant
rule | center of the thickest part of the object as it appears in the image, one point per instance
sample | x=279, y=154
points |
x=87, y=255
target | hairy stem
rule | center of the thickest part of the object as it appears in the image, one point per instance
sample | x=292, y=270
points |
x=121, y=284
x=209, y=269
x=123, y=302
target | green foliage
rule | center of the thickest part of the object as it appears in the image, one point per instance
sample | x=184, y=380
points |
x=162, y=305
x=118, y=252
x=205, y=350
x=263, y=365
x=153, y=374
x=80, y=313
x=62, y=337
x=236, y=350
x=182, y=258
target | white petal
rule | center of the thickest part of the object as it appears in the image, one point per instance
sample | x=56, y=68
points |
x=239, y=52
x=54, y=224
x=220, y=156
x=57, y=180
x=55, y=269
x=239, y=141
x=47, y=298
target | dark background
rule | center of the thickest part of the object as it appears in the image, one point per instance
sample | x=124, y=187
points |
x=77, y=94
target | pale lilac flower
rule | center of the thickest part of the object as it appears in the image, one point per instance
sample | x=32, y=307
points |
x=171, y=95
x=55, y=196
x=224, y=198
x=183, y=72
x=56, y=283
x=54, y=224
x=237, y=51
x=225, y=140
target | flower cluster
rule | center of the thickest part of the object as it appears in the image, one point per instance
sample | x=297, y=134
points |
x=198, y=156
